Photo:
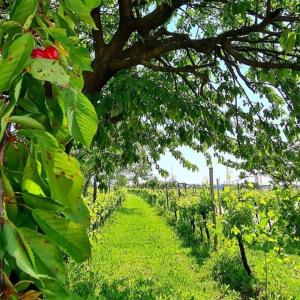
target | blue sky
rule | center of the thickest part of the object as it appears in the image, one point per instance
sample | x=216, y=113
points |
x=169, y=163
x=181, y=174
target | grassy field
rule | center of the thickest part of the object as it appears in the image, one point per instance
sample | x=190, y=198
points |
x=137, y=255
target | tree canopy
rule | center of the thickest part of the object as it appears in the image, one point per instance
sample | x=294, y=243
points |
x=221, y=74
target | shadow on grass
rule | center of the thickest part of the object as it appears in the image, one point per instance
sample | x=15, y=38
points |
x=130, y=211
x=140, y=289
x=92, y=289
x=199, y=250
x=292, y=247
x=227, y=269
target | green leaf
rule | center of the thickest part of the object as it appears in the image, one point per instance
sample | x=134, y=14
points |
x=54, y=290
x=6, y=26
x=21, y=10
x=5, y=111
x=235, y=230
x=81, y=115
x=33, y=187
x=81, y=57
x=70, y=236
x=63, y=172
x=248, y=238
x=82, y=11
x=93, y=3
x=288, y=40
x=48, y=256
x=80, y=215
x=49, y=70
x=18, y=54
x=26, y=122
x=18, y=248
x=28, y=22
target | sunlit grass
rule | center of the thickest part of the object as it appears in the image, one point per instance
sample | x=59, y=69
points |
x=137, y=255
x=140, y=254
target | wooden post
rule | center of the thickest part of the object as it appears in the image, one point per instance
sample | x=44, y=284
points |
x=211, y=183
x=219, y=201
x=185, y=187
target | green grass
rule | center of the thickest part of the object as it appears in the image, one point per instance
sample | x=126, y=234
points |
x=137, y=255
x=140, y=254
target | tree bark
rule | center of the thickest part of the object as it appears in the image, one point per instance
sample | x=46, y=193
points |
x=243, y=254
x=95, y=188
x=193, y=225
x=119, y=54
x=201, y=233
x=205, y=226
x=86, y=186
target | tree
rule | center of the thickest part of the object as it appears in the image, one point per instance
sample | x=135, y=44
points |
x=137, y=34
x=164, y=74
x=228, y=74
x=121, y=181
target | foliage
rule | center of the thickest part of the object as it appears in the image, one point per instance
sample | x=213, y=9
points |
x=226, y=268
x=104, y=206
x=225, y=77
x=215, y=74
x=260, y=223
x=42, y=106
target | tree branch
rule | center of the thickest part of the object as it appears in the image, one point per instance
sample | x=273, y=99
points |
x=125, y=11
x=158, y=17
x=258, y=64
x=177, y=70
x=154, y=44
x=98, y=37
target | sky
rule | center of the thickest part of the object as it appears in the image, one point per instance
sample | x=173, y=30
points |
x=170, y=164
x=181, y=174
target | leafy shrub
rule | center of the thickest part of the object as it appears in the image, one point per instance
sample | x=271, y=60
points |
x=104, y=206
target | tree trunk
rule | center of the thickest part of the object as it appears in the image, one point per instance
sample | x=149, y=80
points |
x=193, y=225
x=243, y=254
x=205, y=226
x=270, y=225
x=86, y=186
x=201, y=233
x=95, y=189
x=207, y=232
x=214, y=217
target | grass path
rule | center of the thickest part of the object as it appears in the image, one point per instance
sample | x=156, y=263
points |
x=137, y=255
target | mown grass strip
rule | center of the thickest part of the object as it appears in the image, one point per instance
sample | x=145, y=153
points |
x=137, y=255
